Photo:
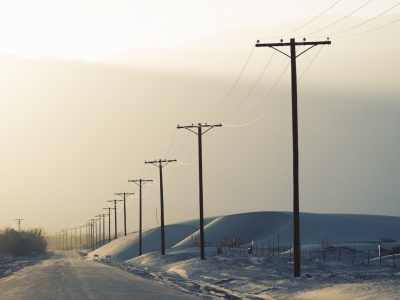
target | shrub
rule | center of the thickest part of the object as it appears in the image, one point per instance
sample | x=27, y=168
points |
x=22, y=242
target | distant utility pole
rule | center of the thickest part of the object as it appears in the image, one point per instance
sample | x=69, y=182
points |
x=19, y=223
x=296, y=206
x=72, y=247
x=160, y=164
x=104, y=229
x=115, y=214
x=124, y=195
x=140, y=182
x=199, y=133
x=109, y=222
x=80, y=237
x=99, y=218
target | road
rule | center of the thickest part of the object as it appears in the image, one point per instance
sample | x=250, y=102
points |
x=66, y=276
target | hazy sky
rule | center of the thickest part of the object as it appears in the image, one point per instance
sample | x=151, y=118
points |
x=89, y=90
x=89, y=29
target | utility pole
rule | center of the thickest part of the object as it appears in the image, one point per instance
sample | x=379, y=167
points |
x=66, y=238
x=71, y=238
x=199, y=133
x=80, y=237
x=95, y=232
x=19, y=223
x=99, y=218
x=104, y=229
x=296, y=206
x=160, y=164
x=109, y=222
x=140, y=182
x=87, y=235
x=115, y=214
x=124, y=195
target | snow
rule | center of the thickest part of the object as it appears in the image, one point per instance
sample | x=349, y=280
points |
x=346, y=266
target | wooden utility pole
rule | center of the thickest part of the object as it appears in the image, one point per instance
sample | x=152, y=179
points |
x=115, y=214
x=124, y=195
x=109, y=222
x=160, y=164
x=199, y=133
x=140, y=182
x=296, y=206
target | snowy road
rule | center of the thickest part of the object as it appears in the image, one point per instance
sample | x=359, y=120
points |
x=66, y=276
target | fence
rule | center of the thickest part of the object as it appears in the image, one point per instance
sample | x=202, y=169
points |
x=358, y=254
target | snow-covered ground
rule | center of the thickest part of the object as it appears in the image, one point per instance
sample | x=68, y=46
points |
x=349, y=267
x=339, y=257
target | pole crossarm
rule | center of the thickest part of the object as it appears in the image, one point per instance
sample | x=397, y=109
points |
x=304, y=43
x=199, y=125
x=124, y=194
x=140, y=181
x=115, y=201
x=160, y=162
x=108, y=208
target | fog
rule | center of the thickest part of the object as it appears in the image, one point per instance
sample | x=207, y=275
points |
x=73, y=133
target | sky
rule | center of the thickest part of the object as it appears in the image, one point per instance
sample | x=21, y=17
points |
x=92, y=89
x=91, y=30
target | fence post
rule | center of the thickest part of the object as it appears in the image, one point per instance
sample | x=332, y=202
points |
x=278, y=244
x=394, y=261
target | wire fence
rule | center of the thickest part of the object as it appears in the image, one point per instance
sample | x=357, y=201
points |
x=357, y=254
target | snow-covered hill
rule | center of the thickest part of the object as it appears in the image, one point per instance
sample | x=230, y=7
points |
x=349, y=267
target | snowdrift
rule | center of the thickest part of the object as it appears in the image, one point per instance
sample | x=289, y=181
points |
x=127, y=247
x=259, y=227
x=241, y=228
x=342, y=228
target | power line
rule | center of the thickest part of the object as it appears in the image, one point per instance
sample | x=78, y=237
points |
x=278, y=102
x=258, y=79
x=173, y=138
x=265, y=97
x=345, y=17
x=365, y=22
x=370, y=30
x=234, y=85
x=305, y=24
